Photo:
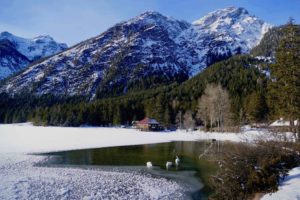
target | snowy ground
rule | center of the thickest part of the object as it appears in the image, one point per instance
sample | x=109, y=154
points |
x=23, y=180
x=289, y=189
x=26, y=138
x=20, y=178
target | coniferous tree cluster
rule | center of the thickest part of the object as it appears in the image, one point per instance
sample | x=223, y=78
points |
x=284, y=85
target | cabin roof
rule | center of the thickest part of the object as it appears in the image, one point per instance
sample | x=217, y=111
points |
x=148, y=121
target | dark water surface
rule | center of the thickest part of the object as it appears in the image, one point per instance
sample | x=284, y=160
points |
x=191, y=170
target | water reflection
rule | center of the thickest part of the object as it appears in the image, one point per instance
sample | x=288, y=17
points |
x=139, y=155
x=158, y=154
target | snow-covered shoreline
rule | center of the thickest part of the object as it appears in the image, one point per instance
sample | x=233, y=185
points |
x=26, y=138
x=25, y=180
x=20, y=178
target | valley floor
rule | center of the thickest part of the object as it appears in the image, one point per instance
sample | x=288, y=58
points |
x=22, y=178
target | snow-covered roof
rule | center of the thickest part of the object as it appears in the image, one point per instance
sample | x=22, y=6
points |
x=282, y=122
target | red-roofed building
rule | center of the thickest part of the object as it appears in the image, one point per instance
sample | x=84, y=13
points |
x=149, y=124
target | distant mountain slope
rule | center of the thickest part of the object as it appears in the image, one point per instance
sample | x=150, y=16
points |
x=144, y=52
x=36, y=48
x=10, y=59
x=16, y=52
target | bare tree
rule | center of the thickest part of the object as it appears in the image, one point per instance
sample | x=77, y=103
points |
x=222, y=107
x=188, y=120
x=206, y=106
x=178, y=120
x=203, y=110
x=214, y=107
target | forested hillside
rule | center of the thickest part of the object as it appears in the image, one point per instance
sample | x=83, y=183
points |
x=236, y=74
x=270, y=42
x=246, y=78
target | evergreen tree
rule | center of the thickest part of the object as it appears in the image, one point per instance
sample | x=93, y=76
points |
x=256, y=107
x=284, y=87
x=117, y=115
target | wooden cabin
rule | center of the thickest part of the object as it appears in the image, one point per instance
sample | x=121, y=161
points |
x=148, y=124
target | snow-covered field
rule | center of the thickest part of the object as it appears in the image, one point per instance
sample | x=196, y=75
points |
x=20, y=178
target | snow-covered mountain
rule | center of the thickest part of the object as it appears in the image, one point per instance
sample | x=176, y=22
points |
x=11, y=60
x=143, y=52
x=233, y=24
x=17, y=52
x=221, y=34
x=35, y=48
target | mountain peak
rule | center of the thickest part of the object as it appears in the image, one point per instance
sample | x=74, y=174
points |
x=151, y=13
x=225, y=15
x=232, y=9
x=43, y=37
x=17, y=52
x=36, y=48
x=234, y=22
x=150, y=17
x=5, y=34
x=153, y=19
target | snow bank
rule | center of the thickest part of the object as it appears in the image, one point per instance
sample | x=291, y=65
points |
x=289, y=188
x=26, y=138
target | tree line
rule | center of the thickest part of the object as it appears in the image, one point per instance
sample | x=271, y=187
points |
x=166, y=104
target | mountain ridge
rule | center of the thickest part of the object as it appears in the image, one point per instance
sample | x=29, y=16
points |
x=143, y=52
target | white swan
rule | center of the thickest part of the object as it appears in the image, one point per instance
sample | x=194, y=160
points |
x=177, y=160
x=169, y=164
x=149, y=164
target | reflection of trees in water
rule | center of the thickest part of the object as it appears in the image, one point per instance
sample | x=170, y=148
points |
x=209, y=149
x=158, y=153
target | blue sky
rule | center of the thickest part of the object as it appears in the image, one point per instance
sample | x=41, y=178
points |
x=72, y=21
